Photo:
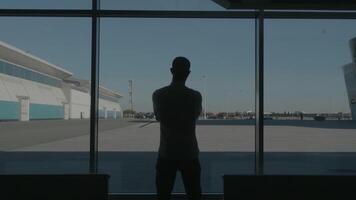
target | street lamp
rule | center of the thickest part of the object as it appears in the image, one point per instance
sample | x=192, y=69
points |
x=131, y=98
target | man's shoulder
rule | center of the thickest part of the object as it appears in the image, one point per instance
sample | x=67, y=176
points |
x=164, y=90
x=160, y=90
x=194, y=92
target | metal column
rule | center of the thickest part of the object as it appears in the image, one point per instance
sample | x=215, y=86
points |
x=259, y=92
x=94, y=88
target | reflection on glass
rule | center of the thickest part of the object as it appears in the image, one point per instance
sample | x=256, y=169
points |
x=310, y=127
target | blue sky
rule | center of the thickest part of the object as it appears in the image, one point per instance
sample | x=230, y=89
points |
x=303, y=57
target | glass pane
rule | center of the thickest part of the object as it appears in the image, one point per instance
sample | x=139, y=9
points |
x=136, y=56
x=202, y=5
x=43, y=111
x=45, y=4
x=309, y=127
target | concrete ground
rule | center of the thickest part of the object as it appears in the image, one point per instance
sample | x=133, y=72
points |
x=213, y=136
x=15, y=135
x=128, y=149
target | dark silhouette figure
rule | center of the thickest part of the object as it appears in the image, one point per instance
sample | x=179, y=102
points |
x=177, y=108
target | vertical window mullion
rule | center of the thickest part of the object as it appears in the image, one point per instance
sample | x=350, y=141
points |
x=94, y=89
x=259, y=93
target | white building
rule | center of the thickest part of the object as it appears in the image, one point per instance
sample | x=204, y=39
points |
x=350, y=79
x=32, y=88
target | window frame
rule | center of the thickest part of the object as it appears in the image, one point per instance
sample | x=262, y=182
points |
x=259, y=15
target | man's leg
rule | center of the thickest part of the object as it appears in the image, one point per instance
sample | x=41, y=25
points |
x=165, y=177
x=191, y=170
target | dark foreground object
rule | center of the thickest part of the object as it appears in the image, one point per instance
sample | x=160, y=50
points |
x=289, y=187
x=54, y=187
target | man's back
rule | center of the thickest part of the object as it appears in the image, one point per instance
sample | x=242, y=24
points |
x=177, y=108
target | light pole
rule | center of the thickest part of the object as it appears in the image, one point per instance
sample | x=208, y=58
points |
x=205, y=96
x=131, y=98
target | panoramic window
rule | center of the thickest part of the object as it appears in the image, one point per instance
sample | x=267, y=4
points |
x=44, y=95
x=309, y=97
x=136, y=56
x=45, y=70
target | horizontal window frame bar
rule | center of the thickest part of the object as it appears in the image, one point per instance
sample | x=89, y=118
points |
x=44, y=13
x=153, y=196
x=308, y=15
x=176, y=14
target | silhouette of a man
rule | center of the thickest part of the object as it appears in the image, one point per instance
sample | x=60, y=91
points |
x=177, y=108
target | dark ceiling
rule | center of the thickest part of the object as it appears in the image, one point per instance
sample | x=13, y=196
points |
x=289, y=4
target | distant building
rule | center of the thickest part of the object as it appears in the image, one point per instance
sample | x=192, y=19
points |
x=350, y=79
x=32, y=88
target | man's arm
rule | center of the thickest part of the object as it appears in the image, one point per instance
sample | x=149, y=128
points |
x=155, y=106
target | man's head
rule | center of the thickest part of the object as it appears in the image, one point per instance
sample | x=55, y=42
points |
x=180, y=69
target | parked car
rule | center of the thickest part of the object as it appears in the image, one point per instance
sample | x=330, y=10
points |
x=319, y=118
x=268, y=118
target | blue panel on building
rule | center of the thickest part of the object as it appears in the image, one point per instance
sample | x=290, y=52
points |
x=111, y=114
x=9, y=110
x=42, y=111
x=101, y=113
x=16, y=71
x=118, y=114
